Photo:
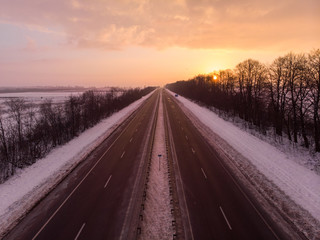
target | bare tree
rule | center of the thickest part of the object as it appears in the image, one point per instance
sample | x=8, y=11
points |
x=4, y=154
x=304, y=101
x=278, y=92
x=294, y=68
x=73, y=114
x=251, y=78
x=314, y=71
x=17, y=107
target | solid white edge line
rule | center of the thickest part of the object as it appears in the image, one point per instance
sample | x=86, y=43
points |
x=136, y=181
x=107, y=181
x=205, y=176
x=80, y=231
x=174, y=158
x=225, y=218
x=243, y=193
x=222, y=152
x=123, y=154
x=46, y=223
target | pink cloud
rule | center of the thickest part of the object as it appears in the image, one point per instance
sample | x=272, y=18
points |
x=161, y=24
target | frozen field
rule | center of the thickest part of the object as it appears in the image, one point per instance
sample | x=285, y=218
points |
x=38, y=97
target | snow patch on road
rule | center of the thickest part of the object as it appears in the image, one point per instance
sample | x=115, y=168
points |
x=157, y=223
x=22, y=191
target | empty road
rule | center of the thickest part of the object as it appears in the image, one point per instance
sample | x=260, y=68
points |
x=96, y=200
x=218, y=207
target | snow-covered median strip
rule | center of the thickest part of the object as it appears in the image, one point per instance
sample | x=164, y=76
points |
x=300, y=184
x=157, y=223
x=27, y=187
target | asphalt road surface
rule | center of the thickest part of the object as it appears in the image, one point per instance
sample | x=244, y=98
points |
x=95, y=200
x=218, y=207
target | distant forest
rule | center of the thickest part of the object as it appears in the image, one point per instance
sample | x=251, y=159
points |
x=283, y=96
x=28, y=132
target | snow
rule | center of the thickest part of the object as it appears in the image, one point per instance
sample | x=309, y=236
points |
x=302, y=185
x=19, y=194
x=23, y=190
x=38, y=97
x=157, y=223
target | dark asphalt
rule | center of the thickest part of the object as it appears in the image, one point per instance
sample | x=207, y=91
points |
x=92, y=202
x=218, y=206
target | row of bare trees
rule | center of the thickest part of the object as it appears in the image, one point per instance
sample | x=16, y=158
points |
x=28, y=132
x=284, y=95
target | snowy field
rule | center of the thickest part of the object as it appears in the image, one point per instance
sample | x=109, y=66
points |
x=38, y=97
x=298, y=182
x=23, y=190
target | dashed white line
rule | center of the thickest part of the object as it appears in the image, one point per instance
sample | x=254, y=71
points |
x=193, y=151
x=225, y=218
x=122, y=154
x=91, y=170
x=107, y=181
x=187, y=137
x=80, y=231
x=205, y=176
x=131, y=139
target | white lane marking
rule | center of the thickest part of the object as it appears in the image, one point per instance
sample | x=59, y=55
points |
x=193, y=151
x=174, y=156
x=136, y=129
x=80, y=231
x=245, y=195
x=205, y=176
x=122, y=154
x=186, y=137
x=131, y=139
x=127, y=221
x=107, y=181
x=225, y=218
x=46, y=223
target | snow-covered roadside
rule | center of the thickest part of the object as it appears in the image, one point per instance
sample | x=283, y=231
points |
x=157, y=223
x=19, y=194
x=299, y=183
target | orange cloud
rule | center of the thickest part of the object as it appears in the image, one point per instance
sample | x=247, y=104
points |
x=183, y=23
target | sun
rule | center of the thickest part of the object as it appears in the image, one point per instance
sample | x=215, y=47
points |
x=215, y=77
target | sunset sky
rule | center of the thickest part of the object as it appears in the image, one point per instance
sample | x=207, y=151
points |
x=145, y=42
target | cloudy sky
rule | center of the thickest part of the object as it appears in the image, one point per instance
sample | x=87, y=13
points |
x=145, y=42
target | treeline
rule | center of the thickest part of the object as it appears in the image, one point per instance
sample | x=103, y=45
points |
x=28, y=132
x=284, y=95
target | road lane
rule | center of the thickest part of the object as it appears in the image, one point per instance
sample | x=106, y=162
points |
x=107, y=181
x=86, y=205
x=217, y=205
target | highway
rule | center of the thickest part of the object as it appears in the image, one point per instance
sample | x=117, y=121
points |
x=97, y=200
x=217, y=206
